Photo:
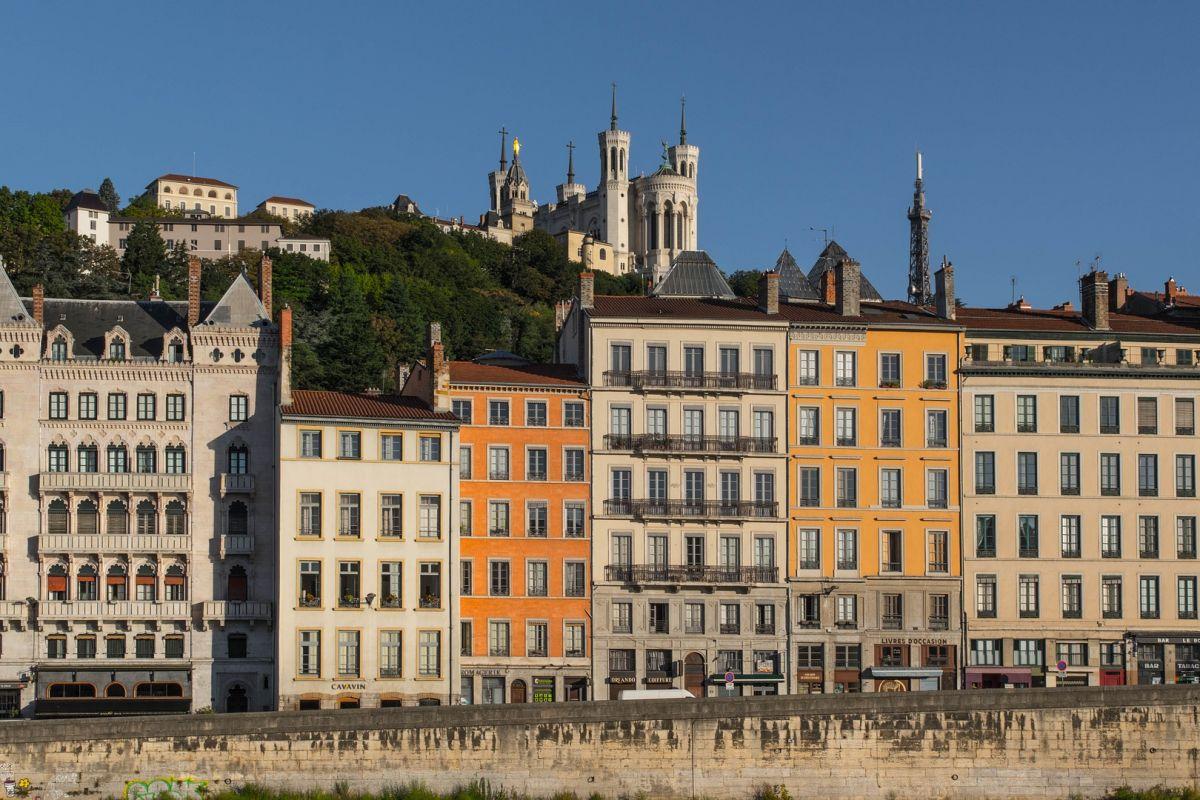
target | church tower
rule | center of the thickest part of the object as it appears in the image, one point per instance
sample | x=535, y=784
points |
x=918, y=243
x=516, y=209
x=685, y=158
x=614, y=185
x=496, y=177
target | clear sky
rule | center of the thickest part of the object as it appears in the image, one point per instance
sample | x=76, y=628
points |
x=1052, y=132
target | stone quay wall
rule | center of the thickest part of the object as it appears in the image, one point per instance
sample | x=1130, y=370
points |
x=970, y=744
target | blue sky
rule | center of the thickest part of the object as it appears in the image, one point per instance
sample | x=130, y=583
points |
x=1052, y=132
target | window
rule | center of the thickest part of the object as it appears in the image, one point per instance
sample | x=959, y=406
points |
x=498, y=518
x=937, y=488
x=846, y=540
x=1147, y=475
x=985, y=596
x=1185, y=476
x=87, y=458
x=537, y=579
x=808, y=424
x=985, y=473
x=390, y=654
x=499, y=579
x=348, y=665
x=1027, y=536
x=310, y=513
x=429, y=516
x=143, y=647
x=430, y=586
x=535, y=413
x=1185, y=537
x=1029, y=652
x=939, y=613
x=846, y=611
x=847, y=487
x=889, y=488
x=935, y=371
x=498, y=412
x=116, y=349
x=498, y=463
x=1027, y=477
x=730, y=618
x=1110, y=537
x=1186, y=596
x=391, y=515
x=985, y=652
x=936, y=430
x=238, y=460
x=985, y=413
x=892, y=551
x=310, y=584
x=310, y=444
x=1147, y=537
x=537, y=639
x=349, y=514
x=574, y=579
x=1068, y=414
x=889, y=370
x=809, y=548
x=116, y=405
x=114, y=646
x=430, y=448
x=349, y=445
x=1110, y=474
x=1148, y=596
x=619, y=420
x=461, y=409
x=845, y=368
x=1072, y=596
x=889, y=428
x=391, y=447
x=1185, y=416
x=810, y=486
x=58, y=405
x=573, y=414
x=1110, y=596
x=87, y=405
x=147, y=406
x=176, y=407
x=1110, y=415
x=535, y=464
x=574, y=520
x=938, y=551
x=349, y=584
x=846, y=427
x=1068, y=473
x=622, y=617
x=173, y=646
x=659, y=618
x=1070, y=535
x=1026, y=413
x=807, y=372
x=1147, y=415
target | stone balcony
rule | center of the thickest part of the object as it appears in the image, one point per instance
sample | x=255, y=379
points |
x=114, y=482
x=14, y=613
x=236, y=484
x=120, y=609
x=112, y=543
x=237, y=544
x=223, y=611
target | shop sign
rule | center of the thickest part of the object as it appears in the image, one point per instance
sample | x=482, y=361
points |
x=1188, y=666
x=659, y=679
x=891, y=685
x=912, y=640
x=348, y=687
x=1150, y=665
x=810, y=675
x=622, y=680
x=485, y=672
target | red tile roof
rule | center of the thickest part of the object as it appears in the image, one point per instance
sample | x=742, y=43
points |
x=891, y=312
x=1191, y=300
x=523, y=375
x=293, y=201
x=1053, y=320
x=172, y=176
x=312, y=403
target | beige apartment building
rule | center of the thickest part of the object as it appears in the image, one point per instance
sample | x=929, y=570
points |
x=292, y=208
x=137, y=570
x=190, y=193
x=688, y=484
x=367, y=507
x=1079, y=493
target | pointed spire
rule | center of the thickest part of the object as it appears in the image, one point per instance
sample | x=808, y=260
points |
x=613, y=124
x=503, y=149
x=683, y=120
x=571, y=162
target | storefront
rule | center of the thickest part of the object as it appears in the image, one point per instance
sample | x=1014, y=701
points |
x=847, y=681
x=1151, y=663
x=905, y=679
x=619, y=681
x=747, y=684
x=89, y=693
x=810, y=681
x=543, y=689
x=999, y=677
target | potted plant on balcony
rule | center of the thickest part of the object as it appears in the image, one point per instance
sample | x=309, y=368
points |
x=391, y=601
x=349, y=600
x=889, y=384
x=931, y=384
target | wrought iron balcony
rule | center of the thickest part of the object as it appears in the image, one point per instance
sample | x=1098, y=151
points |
x=653, y=573
x=115, y=481
x=693, y=509
x=691, y=381
x=661, y=443
x=112, y=543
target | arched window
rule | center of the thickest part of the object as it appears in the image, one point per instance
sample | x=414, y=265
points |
x=117, y=587
x=116, y=349
x=147, y=458
x=87, y=518
x=176, y=519
x=57, y=458
x=668, y=225
x=237, y=701
x=622, y=160
x=114, y=690
x=236, y=587
x=87, y=458
x=118, y=458
x=166, y=190
x=57, y=517
x=147, y=519
x=198, y=193
x=175, y=583
x=116, y=518
x=175, y=351
x=146, y=583
x=212, y=193
x=58, y=349
x=228, y=196
x=239, y=519
x=176, y=459
x=239, y=459
x=3, y=588
x=85, y=583
x=612, y=160
x=56, y=583
x=2, y=458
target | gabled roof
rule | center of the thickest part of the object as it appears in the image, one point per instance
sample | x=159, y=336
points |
x=175, y=176
x=694, y=274
x=12, y=310
x=239, y=307
x=86, y=199
x=793, y=283
x=829, y=258
x=346, y=405
x=404, y=201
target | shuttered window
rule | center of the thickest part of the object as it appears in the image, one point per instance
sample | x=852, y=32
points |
x=1147, y=415
x=1185, y=416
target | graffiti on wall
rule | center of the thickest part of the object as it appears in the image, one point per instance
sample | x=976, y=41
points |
x=167, y=788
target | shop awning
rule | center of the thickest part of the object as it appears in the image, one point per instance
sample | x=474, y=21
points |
x=748, y=677
x=1009, y=674
x=903, y=672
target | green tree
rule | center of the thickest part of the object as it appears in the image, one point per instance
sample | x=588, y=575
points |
x=109, y=196
x=351, y=357
x=145, y=256
x=744, y=282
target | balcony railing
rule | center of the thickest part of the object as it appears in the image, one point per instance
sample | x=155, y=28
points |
x=114, y=481
x=13, y=610
x=892, y=622
x=237, y=544
x=939, y=623
x=656, y=443
x=730, y=628
x=764, y=628
x=652, y=573
x=696, y=381
x=122, y=609
x=236, y=484
x=694, y=509
x=247, y=610
x=112, y=543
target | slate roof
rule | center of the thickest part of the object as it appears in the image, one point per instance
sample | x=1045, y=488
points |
x=793, y=283
x=529, y=374
x=12, y=309
x=146, y=322
x=346, y=405
x=403, y=201
x=1064, y=321
x=86, y=199
x=693, y=274
x=239, y=307
x=829, y=258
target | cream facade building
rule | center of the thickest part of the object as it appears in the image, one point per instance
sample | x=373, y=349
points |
x=138, y=563
x=292, y=208
x=190, y=193
x=368, y=507
x=688, y=484
x=1079, y=513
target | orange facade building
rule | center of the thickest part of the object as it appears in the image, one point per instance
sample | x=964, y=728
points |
x=525, y=543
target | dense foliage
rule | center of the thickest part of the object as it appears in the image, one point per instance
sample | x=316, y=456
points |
x=358, y=317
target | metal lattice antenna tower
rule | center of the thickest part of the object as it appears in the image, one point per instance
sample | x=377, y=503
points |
x=571, y=161
x=918, y=243
x=503, y=150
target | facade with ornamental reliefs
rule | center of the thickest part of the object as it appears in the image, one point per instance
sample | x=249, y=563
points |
x=138, y=552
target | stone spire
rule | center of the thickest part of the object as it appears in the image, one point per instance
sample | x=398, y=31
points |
x=683, y=120
x=613, y=123
x=918, y=242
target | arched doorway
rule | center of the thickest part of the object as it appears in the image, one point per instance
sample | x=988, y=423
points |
x=518, y=692
x=237, y=702
x=114, y=690
x=693, y=674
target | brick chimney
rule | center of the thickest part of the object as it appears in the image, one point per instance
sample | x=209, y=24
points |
x=285, y=356
x=439, y=370
x=264, y=283
x=849, y=280
x=768, y=292
x=1094, y=291
x=193, y=289
x=1118, y=292
x=587, y=290
x=828, y=287
x=39, y=304
x=943, y=291
x=1171, y=290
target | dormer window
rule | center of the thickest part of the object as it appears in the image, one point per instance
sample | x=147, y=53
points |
x=116, y=350
x=58, y=349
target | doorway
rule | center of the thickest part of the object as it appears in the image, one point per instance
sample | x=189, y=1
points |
x=693, y=674
x=237, y=702
x=518, y=692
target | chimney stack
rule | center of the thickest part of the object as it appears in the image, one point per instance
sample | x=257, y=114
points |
x=849, y=278
x=768, y=292
x=439, y=370
x=828, y=287
x=587, y=290
x=285, y=356
x=1171, y=290
x=1094, y=291
x=943, y=294
x=39, y=304
x=264, y=283
x=561, y=309
x=193, y=289
x=1118, y=292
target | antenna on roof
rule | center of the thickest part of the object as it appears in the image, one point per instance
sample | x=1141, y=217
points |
x=824, y=232
x=1079, y=268
x=1012, y=279
x=193, y=163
